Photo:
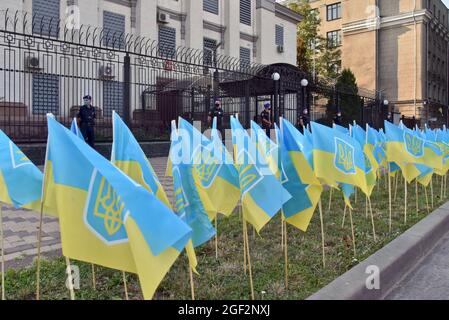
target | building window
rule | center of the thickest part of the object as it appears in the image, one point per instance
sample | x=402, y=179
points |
x=45, y=94
x=334, y=38
x=210, y=6
x=279, y=35
x=112, y=97
x=167, y=41
x=114, y=29
x=209, y=46
x=245, y=58
x=334, y=11
x=245, y=12
x=46, y=12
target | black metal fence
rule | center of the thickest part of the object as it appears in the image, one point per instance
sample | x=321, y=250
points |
x=45, y=67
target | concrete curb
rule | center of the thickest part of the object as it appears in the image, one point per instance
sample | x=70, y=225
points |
x=394, y=261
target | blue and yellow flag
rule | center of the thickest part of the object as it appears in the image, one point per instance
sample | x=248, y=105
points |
x=298, y=178
x=215, y=180
x=189, y=204
x=404, y=146
x=262, y=194
x=20, y=179
x=128, y=156
x=338, y=157
x=76, y=130
x=105, y=217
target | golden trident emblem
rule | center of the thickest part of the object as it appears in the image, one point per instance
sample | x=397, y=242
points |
x=109, y=208
x=344, y=158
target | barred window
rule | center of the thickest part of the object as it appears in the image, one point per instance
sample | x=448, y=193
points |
x=209, y=46
x=334, y=11
x=279, y=35
x=112, y=97
x=46, y=13
x=245, y=12
x=334, y=38
x=245, y=58
x=167, y=41
x=45, y=94
x=114, y=29
x=210, y=6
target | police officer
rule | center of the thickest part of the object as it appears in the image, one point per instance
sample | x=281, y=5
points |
x=337, y=118
x=265, y=116
x=86, y=120
x=303, y=122
x=216, y=111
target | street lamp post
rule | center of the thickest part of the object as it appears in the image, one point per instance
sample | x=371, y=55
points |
x=305, y=105
x=276, y=77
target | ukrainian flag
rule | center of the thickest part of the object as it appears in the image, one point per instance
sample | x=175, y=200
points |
x=128, y=156
x=298, y=178
x=371, y=165
x=262, y=194
x=20, y=179
x=188, y=202
x=105, y=217
x=76, y=130
x=267, y=148
x=341, y=129
x=405, y=146
x=338, y=157
x=215, y=180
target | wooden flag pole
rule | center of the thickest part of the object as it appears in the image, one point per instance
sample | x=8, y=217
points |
x=125, y=286
x=94, y=282
x=416, y=196
x=192, y=285
x=322, y=232
x=352, y=230
x=344, y=216
x=330, y=200
x=355, y=195
x=282, y=231
x=216, y=236
x=69, y=278
x=286, y=255
x=427, y=199
x=2, y=247
x=372, y=218
x=244, y=243
x=366, y=207
x=38, y=262
x=441, y=187
x=249, y=260
x=431, y=192
x=389, y=199
x=396, y=179
x=405, y=201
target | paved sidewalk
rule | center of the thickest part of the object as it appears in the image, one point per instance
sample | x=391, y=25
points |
x=21, y=227
x=429, y=279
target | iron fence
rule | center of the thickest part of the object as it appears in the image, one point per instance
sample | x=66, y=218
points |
x=46, y=67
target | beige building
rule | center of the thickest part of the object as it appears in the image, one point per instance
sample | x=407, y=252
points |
x=398, y=47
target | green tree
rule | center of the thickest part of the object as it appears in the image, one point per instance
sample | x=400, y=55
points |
x=349, y=101
x=314, y=56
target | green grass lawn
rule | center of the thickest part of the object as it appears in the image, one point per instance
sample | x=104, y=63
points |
x=224, y=278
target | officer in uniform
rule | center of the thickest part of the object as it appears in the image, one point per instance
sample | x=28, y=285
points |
x=337, y=118
x=265, y=116
x=216, y=111
x=303, y=121
x=86, y=120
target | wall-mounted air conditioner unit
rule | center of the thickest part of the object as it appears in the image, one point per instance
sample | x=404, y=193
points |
x=280, y=48
x=33, y=63
x=106, y=72
x=162, y=17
